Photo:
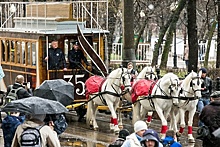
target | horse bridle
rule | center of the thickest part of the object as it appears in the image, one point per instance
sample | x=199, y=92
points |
x=198, y=83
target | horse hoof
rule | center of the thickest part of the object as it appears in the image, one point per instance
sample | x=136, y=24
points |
x=120, y=127
x=178, y=134
x=148, y=123
x=116, y=132
x=96, y=129
x=191, y=140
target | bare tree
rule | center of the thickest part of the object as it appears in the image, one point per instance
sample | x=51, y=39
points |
x=192, y=36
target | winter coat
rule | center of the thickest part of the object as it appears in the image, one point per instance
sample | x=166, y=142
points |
x=210, y=116
x=132, y=140
x=75, y=58
x=56, y=59
x=169, y=139
x=207, y=84
x=48, y=136
x=22, y=93
x=9, y=126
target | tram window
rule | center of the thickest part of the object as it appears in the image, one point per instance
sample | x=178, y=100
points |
x=3, y=49
x=66, y=47
x=19, y=52
x=12, y=51
x=23, y=45
x=33, y=47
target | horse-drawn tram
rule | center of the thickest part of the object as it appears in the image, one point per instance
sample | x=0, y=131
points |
x=26, y=32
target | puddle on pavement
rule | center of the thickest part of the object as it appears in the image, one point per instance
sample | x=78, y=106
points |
x=79, y=143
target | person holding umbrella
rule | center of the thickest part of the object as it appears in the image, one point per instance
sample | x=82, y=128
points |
x=36, y=109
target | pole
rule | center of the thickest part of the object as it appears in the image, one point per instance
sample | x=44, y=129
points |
x=175, y=56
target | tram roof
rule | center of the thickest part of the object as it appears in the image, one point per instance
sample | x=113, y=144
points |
x=53, y=27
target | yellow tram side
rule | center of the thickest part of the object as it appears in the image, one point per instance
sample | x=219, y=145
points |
x=24, y=44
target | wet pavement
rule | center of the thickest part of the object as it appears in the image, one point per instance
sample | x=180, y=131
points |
x=78, y=134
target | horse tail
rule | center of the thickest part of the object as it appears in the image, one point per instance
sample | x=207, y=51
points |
x=136, y=111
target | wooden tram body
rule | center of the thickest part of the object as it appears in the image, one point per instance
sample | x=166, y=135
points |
x=27, y=30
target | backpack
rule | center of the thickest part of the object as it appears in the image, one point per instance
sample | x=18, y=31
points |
x=31, y=137
x=12, y=95
x=117, y=143
x=60, y=124
x=167, y=143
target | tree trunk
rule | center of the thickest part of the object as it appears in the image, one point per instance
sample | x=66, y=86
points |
x=163, y=30
x=218, y=38
x=192, y=36
x=128, y=33
x=210, y=35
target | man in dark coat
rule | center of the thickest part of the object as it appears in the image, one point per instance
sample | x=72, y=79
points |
x=210, y=116
x=56, y=59
x=23, y=92
x=75, y=56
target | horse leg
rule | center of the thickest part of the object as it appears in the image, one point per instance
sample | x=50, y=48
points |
x=163, y=120
x=190, y=122
x=173, y=122
x=114, y=120
x=182, y=121
x=90, y=116
x=136, y=107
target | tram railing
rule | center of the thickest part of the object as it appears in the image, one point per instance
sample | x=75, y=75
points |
x=93, y=13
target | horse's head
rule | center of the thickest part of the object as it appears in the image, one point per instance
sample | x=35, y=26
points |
x=147, y=73
x=125, y=79
x=195, y=84
x=171, y=86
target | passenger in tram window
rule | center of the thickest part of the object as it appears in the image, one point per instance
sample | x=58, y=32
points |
x=75, y=56
x=56, y=58
x=135, y=138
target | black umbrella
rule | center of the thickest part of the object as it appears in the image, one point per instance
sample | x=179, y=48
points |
x=58, y=90
x=35, y=105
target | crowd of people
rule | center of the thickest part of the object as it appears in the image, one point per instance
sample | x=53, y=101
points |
x=15, y=123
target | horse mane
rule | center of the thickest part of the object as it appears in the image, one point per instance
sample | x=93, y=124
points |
x=115, y=74
x=145, y=70
x=189, y=78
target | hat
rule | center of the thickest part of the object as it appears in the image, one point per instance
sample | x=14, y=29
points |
x=150, y=137
x=75, y=42
x=123, y=133
x=140, y=125
x=151, y=132
x=215, y=94
x=204, y=70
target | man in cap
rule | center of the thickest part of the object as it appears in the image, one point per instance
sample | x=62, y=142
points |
x=75, y=56
x=206, y=90
x=210, y=116
x=134, y=140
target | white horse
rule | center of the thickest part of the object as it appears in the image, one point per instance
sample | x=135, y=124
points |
x=189, y=93
x=163, y=96
x=147, y=72
x=109, y=94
